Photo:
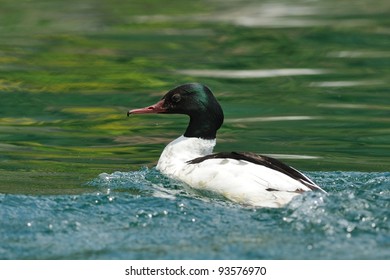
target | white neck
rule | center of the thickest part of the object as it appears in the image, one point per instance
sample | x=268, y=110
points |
x=181, y=150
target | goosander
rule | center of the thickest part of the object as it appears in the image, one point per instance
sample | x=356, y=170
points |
x=246, y=178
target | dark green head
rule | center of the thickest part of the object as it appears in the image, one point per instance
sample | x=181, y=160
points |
x=195, y=100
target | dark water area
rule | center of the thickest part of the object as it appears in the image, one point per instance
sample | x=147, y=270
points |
x=304, y=81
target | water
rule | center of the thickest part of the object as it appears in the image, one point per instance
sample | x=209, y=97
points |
x=143, y=215
x=304, y=81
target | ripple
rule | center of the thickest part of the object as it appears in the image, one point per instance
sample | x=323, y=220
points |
x=346, y=83
x=270, y=119
x=354, y=106
x=270, y=15
x=146, y=181
x=250, y=74
x=350, y=222
x=290, y=156
x=274, y=15
x=359, y=54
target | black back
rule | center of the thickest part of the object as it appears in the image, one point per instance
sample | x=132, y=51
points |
x=265, y=161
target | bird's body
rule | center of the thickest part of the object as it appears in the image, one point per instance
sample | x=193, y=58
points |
x=245, y=178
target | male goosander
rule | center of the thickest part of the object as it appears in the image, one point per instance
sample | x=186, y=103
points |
x=245, y=178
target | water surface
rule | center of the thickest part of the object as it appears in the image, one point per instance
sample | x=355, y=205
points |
x=304, y=81
x=143, y=215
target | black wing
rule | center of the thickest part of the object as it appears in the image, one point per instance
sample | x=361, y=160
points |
x=265, y=161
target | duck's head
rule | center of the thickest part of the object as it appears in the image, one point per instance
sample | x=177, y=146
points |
x=195, y=100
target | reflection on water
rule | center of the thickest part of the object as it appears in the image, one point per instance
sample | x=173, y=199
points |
x=270, y=15
x=356, y=106
x=246, y=74
x=67, y=83
x=269, y=119
x=306, y=81
x=346, y=83
x=360, y=54
x=284, y=156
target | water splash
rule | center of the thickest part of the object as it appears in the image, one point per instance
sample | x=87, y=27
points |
x=142, y=214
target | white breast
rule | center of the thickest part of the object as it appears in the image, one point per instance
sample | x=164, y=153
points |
x=175, y=155
x=240, y=181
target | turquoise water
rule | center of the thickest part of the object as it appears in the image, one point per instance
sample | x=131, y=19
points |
x=143, y=215
x=304, y=81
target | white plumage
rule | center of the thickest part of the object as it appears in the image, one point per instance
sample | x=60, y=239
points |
x=237, y=180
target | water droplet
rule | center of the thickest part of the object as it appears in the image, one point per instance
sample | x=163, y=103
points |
x=350, y=228
x=29, y=224
x=193, y=220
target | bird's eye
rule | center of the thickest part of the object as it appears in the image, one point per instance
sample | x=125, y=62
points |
x=176, y=98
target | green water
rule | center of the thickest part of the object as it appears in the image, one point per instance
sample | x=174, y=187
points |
x=304, y=81
x=70, y=71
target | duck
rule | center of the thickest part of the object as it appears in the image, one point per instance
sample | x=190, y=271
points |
x=245, y=178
